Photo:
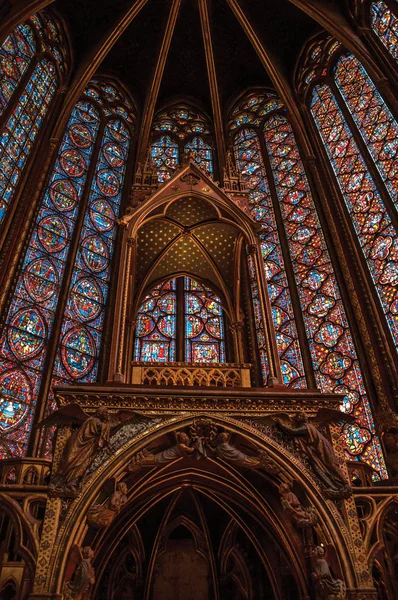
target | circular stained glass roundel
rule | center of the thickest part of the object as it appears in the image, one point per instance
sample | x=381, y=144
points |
x=113, y=154
x=87, y=299
x=108, y=183
x=72, y=162
x=78, y=351
x=53, y=233
x=80, y=135
x=26, y=333
x=41, y=279
x=15, y=396
x=64, y=194
x=102, y=215
x=95, y=253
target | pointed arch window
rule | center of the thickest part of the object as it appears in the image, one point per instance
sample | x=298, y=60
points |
x=60, y=284
x=359, y=135
x=385, y=25
x=165, y=156
x=178, y=131
x=180, y=309
x=295, y=238
x=251, y=166
x=201, y=153
x=31, y=67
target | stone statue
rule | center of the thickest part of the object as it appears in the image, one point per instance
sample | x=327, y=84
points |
x=102, y=515
x=145, y=458
x=301, y=516
x=312, y=443
x=92, y=434
x=325, y=586
x=221, y=447
x=80, y=574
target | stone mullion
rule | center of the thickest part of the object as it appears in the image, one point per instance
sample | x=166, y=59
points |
x=296, y=304
x=373, y=170
x=52, y=346
x=361, y=289
x=104, y=362
x=275, y=373
x=180, y=320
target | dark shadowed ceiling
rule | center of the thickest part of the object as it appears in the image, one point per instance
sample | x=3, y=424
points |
x=281, y=27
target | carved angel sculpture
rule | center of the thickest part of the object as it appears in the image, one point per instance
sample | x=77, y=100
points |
x=80, y=574
x=302, y=516
x=226, y=451
x=147, y=459
x=326, y=587
x=102, y=515
x=316, y=447
x=84, y=443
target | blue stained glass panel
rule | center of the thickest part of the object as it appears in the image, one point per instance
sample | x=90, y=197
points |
x=16, y=54
x=30, y=319
x=20, y=131
x=81, y=333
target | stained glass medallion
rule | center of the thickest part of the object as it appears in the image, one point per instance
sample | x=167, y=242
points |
x=30, y=319
x=81, y=332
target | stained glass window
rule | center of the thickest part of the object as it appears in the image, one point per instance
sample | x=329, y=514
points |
x=156, y=327
x=334, y=357
x=200, y=313
x=374, y=120
x=204, y=324
x=164, y=154
x=21, y=129
x=74, y=186
x=30, y=318
x=251, y=167
x=175, y=132
x=83, y=321
x=31, y=78
x=369, y=215
x=385, y=25
x=16, y=54
x=201, y=153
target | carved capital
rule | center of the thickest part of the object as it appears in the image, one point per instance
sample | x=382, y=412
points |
x=252, y=249
x=131, y=242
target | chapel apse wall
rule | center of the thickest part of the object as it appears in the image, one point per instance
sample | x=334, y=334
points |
x=186, y=268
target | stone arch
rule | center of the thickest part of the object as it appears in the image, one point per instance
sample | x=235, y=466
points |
x=229, y=487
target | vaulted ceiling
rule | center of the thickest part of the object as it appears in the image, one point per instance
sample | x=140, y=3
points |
x=207, y=56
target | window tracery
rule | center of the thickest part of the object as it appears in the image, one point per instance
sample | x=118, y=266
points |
x=178, y=131
x=32, y=61
x=333, y=355
x=251, y=166
x=348, y=111
x=162, y=312
x=385, y=25
x=91, y=137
